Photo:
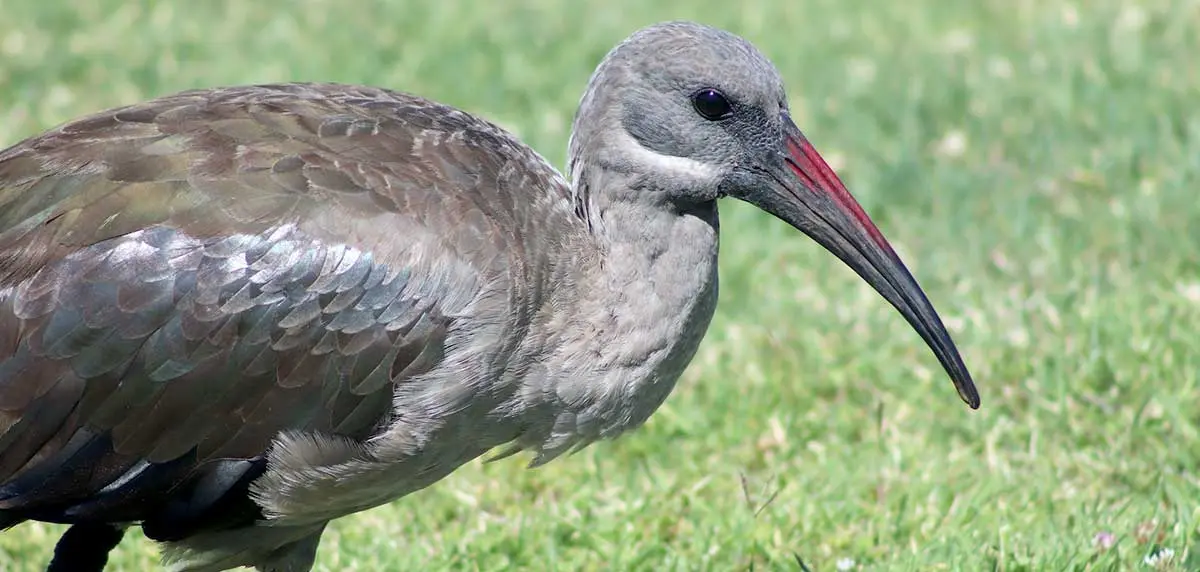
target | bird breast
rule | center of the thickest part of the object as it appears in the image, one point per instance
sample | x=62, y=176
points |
x=620, y=339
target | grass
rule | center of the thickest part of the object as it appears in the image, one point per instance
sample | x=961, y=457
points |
x=1035, y=162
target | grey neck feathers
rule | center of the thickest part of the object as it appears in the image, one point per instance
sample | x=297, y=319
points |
x=646, y=301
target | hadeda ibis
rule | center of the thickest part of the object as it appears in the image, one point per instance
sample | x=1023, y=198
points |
x=232, y=315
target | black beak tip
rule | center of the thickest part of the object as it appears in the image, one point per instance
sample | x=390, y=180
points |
x=968, y=392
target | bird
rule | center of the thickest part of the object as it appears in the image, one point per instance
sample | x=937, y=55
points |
x=231, y=315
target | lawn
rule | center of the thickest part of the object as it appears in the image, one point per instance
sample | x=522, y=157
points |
x=1035, y=163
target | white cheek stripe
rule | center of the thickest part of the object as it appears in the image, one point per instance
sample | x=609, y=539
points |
x=682, y=167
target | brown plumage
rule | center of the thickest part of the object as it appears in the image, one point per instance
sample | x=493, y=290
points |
x=232, y=315
x=184, y=279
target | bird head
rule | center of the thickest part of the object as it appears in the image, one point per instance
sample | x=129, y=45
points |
x=692, y=113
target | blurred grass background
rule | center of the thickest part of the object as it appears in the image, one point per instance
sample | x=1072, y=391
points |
x=1035, y=163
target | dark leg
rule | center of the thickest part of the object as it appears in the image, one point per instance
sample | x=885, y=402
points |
x=85, y=547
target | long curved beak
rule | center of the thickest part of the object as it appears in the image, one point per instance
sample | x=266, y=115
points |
x=808, y=195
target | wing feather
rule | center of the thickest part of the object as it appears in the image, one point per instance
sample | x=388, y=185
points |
x=184, y=280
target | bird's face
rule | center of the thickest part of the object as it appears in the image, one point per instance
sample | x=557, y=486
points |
x=703, y=112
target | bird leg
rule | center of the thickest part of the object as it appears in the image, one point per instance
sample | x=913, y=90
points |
x=84, y=547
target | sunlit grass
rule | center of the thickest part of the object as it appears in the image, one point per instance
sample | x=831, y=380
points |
x=1034, y=162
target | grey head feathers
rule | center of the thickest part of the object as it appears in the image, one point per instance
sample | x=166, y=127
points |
x=635, y=117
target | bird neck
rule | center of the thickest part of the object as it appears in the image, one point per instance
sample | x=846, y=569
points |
x=643, y=303
x=639, y=213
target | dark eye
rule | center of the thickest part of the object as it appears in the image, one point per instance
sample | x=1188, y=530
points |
x=711, y=104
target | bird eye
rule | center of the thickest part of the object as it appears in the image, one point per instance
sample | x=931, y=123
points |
x=711, y=104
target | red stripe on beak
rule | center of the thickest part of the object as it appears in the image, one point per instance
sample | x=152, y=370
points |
x=810, y=167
